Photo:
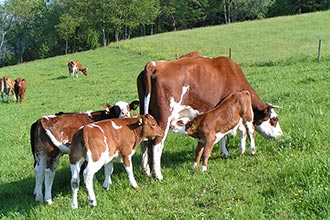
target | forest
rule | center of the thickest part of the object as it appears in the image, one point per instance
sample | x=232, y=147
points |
x=38, y=29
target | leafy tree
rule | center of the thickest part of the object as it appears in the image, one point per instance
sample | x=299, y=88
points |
x=66, y=28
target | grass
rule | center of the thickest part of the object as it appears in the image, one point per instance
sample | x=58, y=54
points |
x=287, y=179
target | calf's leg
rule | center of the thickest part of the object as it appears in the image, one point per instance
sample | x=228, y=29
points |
x=209, y=144
x=198, y=154
x=39, y=171
x=127, y=161
x=108, y=169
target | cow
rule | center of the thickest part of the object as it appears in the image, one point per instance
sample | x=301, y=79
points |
x=234, y=112
x=193, y=85
x=74, y=67
x=19, y=88
x=103, y=143
x=7, y=87
x=50, y=138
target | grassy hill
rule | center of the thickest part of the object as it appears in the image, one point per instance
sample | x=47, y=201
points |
x=287, y=179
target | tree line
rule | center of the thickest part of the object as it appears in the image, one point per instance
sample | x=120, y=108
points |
x=38, y=29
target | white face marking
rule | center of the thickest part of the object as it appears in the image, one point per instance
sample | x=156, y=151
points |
x=124, y=109
x=269, y=131
x=115, y=126
x=153, y=63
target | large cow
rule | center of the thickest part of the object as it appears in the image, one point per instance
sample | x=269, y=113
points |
x=7, y=87
x=19, y=88
x=104, y=142
x=187, y=87
x=50, y=138
x=74, y=67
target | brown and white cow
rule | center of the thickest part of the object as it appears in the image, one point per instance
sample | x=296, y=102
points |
x=105, y=142
x=74, y=67
x=7, y=87
x=50, y=138
x=234, y=112
x=192, y=86
x=19, y=88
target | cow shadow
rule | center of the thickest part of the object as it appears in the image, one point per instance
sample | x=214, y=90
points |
x=60, y=77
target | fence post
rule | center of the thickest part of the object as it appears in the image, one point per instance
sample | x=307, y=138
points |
x=319, y=51
x=230, y=53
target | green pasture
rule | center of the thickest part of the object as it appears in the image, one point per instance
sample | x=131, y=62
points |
x=289, y=178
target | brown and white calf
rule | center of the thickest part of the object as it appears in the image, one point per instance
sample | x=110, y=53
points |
x=50, y=138
x=74, y=67
x=234, y=112
x=7, y=87
x=104, y=142
x=19, y=88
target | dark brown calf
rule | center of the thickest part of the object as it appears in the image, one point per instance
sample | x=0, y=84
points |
x=235, y=112
x=104, y=142
x=19, y=88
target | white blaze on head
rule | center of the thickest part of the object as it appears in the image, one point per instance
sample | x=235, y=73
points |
x=271, y=127
x=124, y=109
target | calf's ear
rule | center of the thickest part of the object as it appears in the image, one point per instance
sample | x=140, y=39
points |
x=134, y=105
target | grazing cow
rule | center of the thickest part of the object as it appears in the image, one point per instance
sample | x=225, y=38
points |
x=74, y=67
x=192, y=86
x=104, y=142
x=51, y=137
x=234, y=112
x=7, y=87
x=19, y=88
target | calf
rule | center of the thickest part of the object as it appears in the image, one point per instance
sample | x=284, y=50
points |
x=51, y=136
x=102, y=143
x=74, y=67
x=7, y=87
x=234, y=112
x=19, y=88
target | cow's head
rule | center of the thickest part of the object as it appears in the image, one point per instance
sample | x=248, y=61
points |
x=84, y=71
x=121, y=109
x=267, y=122
x=150, y=127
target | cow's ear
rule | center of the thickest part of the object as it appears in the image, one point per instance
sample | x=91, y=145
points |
x=106, y=107
x=134, y=105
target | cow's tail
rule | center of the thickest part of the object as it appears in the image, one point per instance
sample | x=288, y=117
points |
x=32, y=140
x=150, y=68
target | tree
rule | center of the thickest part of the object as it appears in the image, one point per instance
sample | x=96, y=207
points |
x=66, y=28
x=6, y=21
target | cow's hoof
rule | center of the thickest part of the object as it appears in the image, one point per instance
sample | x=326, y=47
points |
x=49, y=202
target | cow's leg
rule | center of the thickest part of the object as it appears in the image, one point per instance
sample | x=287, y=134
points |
x=250, y=130
x=223, y=148
x=209, y=143
x=39, y=171
x=145, y=149
x=75, y=181
x=90, y=170
x=242, y=129
x=157, y=153
x=129, y=169
x=49, y=177
x=108, y=169
x=198, y=154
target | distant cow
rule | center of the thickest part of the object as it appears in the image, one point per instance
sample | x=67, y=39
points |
x=104, y=142
x=74, y=67
x=51, y=136
x=19, y=88
x=7, y=87
x=193, y=85
x=234, y=112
